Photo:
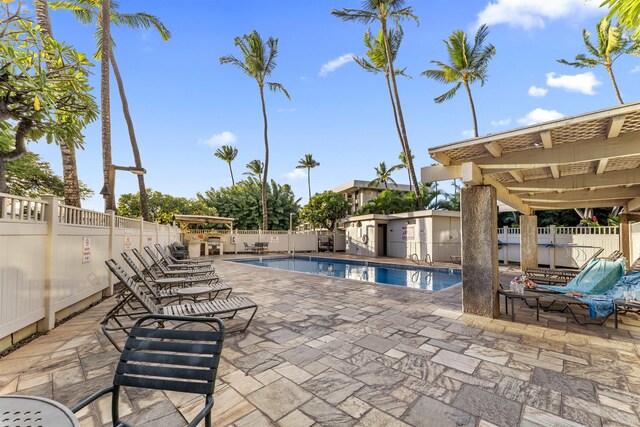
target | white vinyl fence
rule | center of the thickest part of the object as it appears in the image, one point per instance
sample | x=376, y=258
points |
x=634, y=229
x=562, y=246
x=52, y=258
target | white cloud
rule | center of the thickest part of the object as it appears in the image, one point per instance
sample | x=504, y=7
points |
x=537, y=92
x=295, y=174
x=581, y=83
x=286, y=110
x=218, y=139
x=468, y=133
x=635, y=69
x=528, y=14
x=540, y=115
x=503, y=122
x=334, y=64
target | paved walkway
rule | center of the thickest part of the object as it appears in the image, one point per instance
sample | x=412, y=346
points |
x=329, y=352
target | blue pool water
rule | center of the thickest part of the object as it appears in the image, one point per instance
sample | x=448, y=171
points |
x=432, y=279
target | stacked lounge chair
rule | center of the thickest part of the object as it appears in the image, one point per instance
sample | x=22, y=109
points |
x=564, y=275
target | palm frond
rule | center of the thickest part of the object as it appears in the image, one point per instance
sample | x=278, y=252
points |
x=83, y=13
x=360, y=16
x=277, y=87
x=141, y=20
x=448, y=95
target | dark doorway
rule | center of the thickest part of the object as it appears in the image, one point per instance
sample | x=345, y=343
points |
x=381, y=240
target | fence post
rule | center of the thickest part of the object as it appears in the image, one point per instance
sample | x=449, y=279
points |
x=157, y=233
x=141, y=234
x=51, y=217
x=552, y=248
x=506, y=245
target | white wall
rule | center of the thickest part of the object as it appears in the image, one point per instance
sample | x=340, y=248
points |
x=635, y=242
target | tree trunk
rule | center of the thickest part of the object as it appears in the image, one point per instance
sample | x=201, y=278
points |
x=615, y=84
x=309, y=181
x=144, y=197
x=265, y=217
x=233, y=182
x=105, y=106
x=473, y=108
x=68, y=154
x=24, y=126
x=395, y=119
x=404, y=139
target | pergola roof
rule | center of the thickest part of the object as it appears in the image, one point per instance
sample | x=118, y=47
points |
x=589, y=160
x=202, y=219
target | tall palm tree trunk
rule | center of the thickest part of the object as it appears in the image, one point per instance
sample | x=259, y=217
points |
x=105, y=106
x=309, y=181
x=615, y=84
x=265, y=218
x=233, y=182
x=404, y=139
x=473, y=109
x=68, y=154
x=144, y=197
x=395, y=119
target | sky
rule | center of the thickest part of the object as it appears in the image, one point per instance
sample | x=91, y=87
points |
x=185, y=104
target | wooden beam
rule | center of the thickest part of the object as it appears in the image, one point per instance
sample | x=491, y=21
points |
x=602, y=165
x=555, y=171
x=442, y=158
x=538, y=206
x=597, y=194
x=607, y=179
x=508, y=199
x=517, y=175
x=471, y=174
x=615, y=126
x=545, y=136
x=494, y=148
x=563, y=154
x=634, y=204
x=440, y=173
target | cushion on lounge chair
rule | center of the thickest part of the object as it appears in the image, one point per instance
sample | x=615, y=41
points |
x=602, y=305
x=597, y=278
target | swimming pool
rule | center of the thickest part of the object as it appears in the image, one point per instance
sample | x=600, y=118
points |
x=427, y=278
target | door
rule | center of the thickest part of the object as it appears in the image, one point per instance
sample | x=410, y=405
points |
x=381, y=240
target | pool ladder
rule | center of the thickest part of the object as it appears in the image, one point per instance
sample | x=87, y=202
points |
x=427, y=259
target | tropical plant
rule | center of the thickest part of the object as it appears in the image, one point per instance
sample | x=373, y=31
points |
x=383, y=175
x=383, y=11
x=467, y=64
x=378, y=63
x=258, y=62
x=325, y=209
x=433, y=197
x=243, y=201
x=404, y=165
x=628, y=13
x=389, y=202
x=164, y=206
x=72, y=196
x=31, y=176
x=88, y=12
x=308, y=163
x=255, y=168
x=227, y=153
x=36, y=100
x=611, y=44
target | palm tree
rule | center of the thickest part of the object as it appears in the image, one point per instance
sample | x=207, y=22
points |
x=628, y=13
x=611, y=44
x=69, y=165
x=255, y=169
x=88, y=12
x=308, y=163
x=383, y=176
x=403, y=165
x=382, y=11
x=378, y=63
x=430, y=194
x=259, y=61
x=228, y=154
x=105, y=107
x=467, y=64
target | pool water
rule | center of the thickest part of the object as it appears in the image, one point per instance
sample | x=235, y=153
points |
x=427, y=278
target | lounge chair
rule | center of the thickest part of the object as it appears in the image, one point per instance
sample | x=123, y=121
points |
x=179, y=360
x=159, y=261
x=249, y=248
x=179, y=251
x=170, y=279
x=227, y=307
x=166, y=255
x=564, y=275
x=167, y=291
x=596, y=278
x=165, y=272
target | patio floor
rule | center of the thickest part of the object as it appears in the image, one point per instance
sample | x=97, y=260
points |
x=330, y=352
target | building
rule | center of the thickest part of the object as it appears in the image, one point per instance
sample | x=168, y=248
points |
x=358, y=193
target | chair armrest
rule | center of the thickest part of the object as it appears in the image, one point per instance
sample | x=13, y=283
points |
x=86, y=401
x=207, y=408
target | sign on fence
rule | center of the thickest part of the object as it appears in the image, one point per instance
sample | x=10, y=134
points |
x=275, y=239
x=127, y=243
x=86, y=250
x=149, y=240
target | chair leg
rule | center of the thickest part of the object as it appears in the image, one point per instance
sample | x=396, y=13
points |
x=250, y=319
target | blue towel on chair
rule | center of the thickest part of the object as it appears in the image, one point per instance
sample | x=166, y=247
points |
x=598, y=277
x=602, y=305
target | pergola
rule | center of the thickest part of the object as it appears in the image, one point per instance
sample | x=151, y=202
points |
x=186, y=220
x=585, y=161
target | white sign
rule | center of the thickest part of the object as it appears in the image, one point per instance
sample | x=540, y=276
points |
x=127, y=243
x=86, y=250
x=275, y=239
x=408, y=232
x=149, y=241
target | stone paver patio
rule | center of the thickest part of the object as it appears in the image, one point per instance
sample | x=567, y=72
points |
x=324, y=351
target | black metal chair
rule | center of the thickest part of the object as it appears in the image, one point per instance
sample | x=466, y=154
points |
x=167, y=359
x=166, y=255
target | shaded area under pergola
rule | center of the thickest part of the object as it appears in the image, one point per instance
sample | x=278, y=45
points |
x=585, y=161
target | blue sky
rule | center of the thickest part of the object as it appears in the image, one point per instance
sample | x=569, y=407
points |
x=185, y=104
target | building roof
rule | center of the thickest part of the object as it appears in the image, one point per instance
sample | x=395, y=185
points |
x=202, y=219
x=351, y=186
x=588, y=160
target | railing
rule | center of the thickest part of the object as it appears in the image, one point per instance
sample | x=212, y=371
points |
x=22, y=208
x=71, y=215
x=588, y=230
x=122, y=222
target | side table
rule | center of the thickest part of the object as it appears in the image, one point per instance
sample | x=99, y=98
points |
x=508, y=294
x=621, y=303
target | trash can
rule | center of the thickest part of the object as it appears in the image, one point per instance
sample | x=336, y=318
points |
x=194, y=249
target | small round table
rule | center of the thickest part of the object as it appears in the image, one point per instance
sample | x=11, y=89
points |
x=508, y=294
x=18, y=410
x=194, y=291
x=622, y=303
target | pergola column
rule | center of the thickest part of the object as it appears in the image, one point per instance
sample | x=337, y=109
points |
x=528, y=242
x=480, y=251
